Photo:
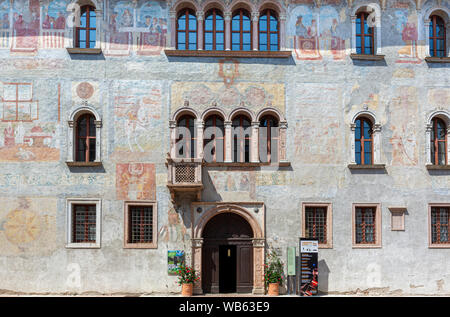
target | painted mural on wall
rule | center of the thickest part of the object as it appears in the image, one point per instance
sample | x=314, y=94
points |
x=26, y=26
x=175, y=230
x=54, y=15
x=140, y=23
x=135, y=181
x=314, y=33
x=201, y=96
x=27, y=225
x=137, y=114
x=5, y=25
x=405, y=27
x=23, y=137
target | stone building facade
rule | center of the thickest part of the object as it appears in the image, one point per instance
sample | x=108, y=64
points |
x=320, y=128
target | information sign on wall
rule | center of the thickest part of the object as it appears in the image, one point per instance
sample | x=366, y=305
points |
x=309, y=271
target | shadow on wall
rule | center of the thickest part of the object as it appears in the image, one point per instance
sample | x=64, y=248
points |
x=324, y=271
x=209, y=190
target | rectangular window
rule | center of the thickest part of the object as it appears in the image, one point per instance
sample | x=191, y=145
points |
x=366, y=225
x=83, y=223
x=140, y=225
x=317, y=223
x=439, y=221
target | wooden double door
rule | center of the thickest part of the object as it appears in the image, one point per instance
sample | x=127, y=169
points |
x=227, y=255
x=227, y=266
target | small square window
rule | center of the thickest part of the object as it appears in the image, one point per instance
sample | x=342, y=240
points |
x=140, y=227
x=317, y=223
x=366, y=226
x=83, y=223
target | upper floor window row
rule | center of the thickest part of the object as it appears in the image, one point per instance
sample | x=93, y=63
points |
x=238, y=31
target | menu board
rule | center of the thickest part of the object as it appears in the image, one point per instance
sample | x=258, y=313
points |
x=309, y=271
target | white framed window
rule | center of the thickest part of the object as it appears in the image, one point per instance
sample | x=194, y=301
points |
x=370, y=15
x=372, y=152
x=436, y=22
x=83, y=229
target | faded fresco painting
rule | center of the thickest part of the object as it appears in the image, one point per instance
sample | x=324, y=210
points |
x=54, y=14
x=334, y=32
x=5, y=25
x=135, y=181
x=27, y=225
x=137, y=114
x=141, y=22
x=26, y=26
x=405, y=28
x=256, y=96
x=303, y=28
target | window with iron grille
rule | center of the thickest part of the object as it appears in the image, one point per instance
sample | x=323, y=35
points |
x=365, y=225
x=440, y=219
x=140, y=224
x=316, y=223
x=84, y=220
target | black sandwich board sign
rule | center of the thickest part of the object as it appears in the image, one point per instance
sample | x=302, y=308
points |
x=309, y=270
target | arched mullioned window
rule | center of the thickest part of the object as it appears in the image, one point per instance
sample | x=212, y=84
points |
x=437, y=37
x=214, y=139
x=85, y=138
x=186, y=30
x=365, y=35
x=438, y=142
x=241, y=138
x=268, y=139
x=241, y=31
x=186, y=140
x=85, y=36
x=214, y=32
x=269, y=37
x=363, y=141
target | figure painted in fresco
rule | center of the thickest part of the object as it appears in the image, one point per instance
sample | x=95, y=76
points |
x=126, y=19
x=406, y=25
x=333, y=33
x=304, y=30
x=152, y=19
x=118, y=35
x=26, y=25
x=409, y=36
x=5, y=21
x=300, y=29
x=8, y=134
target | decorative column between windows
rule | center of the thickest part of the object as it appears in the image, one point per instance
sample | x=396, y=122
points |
x=98, y=27
x=173, y=29
x=282, y=32
x=352, y=143
x=353, y=49
x=227, y=18
x=200, y=21
x=255, y=20
x=428, y=130
x=448, y=145
x=254, y=150
x=258, y=272
x=98, y=131
x=282, y=144
x=227, y=125
x=70, y=154
x=200, y=125
x=197, y=245
x=377, y=143
x=173, y=138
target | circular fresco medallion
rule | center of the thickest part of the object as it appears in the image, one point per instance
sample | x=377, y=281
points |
x=22, y=226
x=85, y=90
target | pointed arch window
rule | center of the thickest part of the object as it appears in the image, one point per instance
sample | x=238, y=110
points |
x=241, y=138
x=363, y=141
x=214, y=139
x=186, y=137
x=365, y=35
x=241, y=31
x=86, y=33
x=186, y=30
x=85, y=144
x=438, y=142
x=269, y=37
x=437, y=37
x=268, y=139
x=214, y=32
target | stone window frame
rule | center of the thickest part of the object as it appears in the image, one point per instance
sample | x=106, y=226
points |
x=149, y=245
x=378, y=226
x=74, y=13
x=329, y=221
x=227, y=11
x=444, y=13
x=71, y=153
x=430, y=244
x=369, y=8
x=228, y=116
x=444, y=116
x=70, y=202
x=376, y=143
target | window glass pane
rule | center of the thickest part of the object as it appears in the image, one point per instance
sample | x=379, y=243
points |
x=246, y=38
x=208, y=38
x=358, y=25
x=367, y=130
x=245, y=23
x=358, y=152
x=209, y=23
x=263, y=41
x=273, y=24
x=192, y=40
x=182, y=23
x=192, y=23
x=219, y=38
x=235, y=23
x=273, y=39
x=358, y=45
x=441, y=153
x=219, y=47
x=91, y=150
x=219, y=23
x=263, y=23
x=92, y=20
x=83, y=20
x=92, y=34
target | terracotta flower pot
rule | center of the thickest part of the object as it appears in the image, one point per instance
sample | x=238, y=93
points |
x=187, y=289
x=273, y=289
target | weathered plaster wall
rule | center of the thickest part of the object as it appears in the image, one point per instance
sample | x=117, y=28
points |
x=135, y=89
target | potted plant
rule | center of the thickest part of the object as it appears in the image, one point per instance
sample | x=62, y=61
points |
x=273, y=274
x=186, y=278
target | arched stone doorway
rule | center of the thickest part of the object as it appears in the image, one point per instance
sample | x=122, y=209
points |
x=228, y=251
x=227, y=255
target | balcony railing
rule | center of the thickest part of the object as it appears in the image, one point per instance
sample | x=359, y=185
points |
x=184, y=175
